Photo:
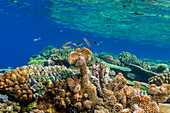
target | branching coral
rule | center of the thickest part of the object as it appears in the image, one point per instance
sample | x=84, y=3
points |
x=79, y=59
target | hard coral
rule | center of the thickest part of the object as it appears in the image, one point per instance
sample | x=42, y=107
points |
x=15, y=83
x=9, y=107
x=160, y=95
x=145, y=103
x=79, y=58
x=160, y=79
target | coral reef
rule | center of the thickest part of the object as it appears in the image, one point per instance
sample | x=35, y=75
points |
x=14, y=82
x=160, y=79
x=57, y=89
x=9, y=107
x=37, y=57
x=28, y=107
x=47, y=52
x=119, y=68
x=127, y=58
x=39, y=62
x=57, y=57
x=111, y=60
x=143, y=74
x=60, y=57
x=164, y=108
x=26, y=82
x=160, y=68
x=160, y=95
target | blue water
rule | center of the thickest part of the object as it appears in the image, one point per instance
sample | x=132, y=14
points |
x=21, y=23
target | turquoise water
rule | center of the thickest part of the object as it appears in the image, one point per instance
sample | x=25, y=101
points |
x=146, y=22
x=141, y=27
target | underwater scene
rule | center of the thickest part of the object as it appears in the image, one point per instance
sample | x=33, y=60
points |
x=85, y=56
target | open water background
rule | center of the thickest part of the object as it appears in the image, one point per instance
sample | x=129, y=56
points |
x=141, y=28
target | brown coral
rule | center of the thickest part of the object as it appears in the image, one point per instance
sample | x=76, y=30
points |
x=160, y=79
x=15, y=83
x=145, y=103
x=160, y=95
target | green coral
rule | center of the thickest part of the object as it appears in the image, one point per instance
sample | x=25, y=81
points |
x=43, y=74
x=39, y=62
x=29, y=107
x=37, y=57
x=145, y=89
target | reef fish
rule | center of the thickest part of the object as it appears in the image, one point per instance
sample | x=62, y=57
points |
x=66, y=47
x=79, y=44
x=66, y=43
x=54, y=48
x=87, y=42
x=37, y=39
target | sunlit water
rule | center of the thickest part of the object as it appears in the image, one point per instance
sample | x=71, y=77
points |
x=142, y=21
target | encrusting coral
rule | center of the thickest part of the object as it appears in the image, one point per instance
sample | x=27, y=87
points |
x=160, y=79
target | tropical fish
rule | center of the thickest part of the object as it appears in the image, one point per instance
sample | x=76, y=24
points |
x=79, y=44
x=66, y=47
x=54, y=48
x=87, y=42
x=66, y=43
x=97, y=53
x=37, y=39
